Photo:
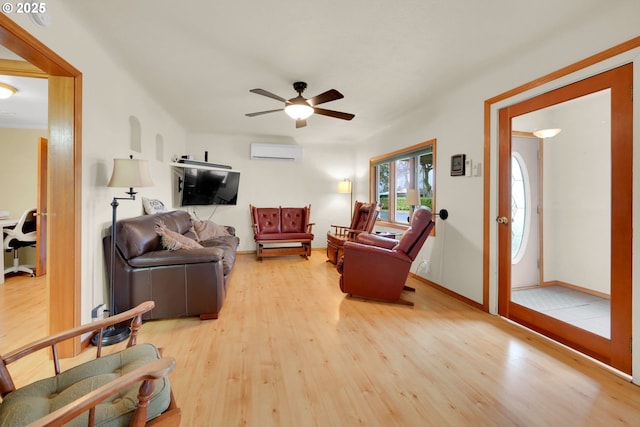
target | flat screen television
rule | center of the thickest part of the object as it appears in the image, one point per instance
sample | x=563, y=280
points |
x=201, y=187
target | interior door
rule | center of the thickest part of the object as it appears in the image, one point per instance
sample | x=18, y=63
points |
x=587, y=216
x=41, y=221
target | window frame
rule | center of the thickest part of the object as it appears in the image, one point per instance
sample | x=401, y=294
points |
x=412, y=152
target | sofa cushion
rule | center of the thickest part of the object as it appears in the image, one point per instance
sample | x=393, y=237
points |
x=229, y=246
x=38, y=399
x=137, y=235
x=206, y=229
x=180, y=257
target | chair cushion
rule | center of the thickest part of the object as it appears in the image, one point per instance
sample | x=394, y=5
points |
x=294, y=220
x=267, y=220
x=262, y=237
x=38, y=399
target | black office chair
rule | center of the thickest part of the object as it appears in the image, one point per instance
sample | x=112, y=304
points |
x=23, y=234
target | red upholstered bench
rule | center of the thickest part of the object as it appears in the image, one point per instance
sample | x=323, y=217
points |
x=282, y=231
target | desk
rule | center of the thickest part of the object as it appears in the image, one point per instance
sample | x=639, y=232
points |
x=8, y=222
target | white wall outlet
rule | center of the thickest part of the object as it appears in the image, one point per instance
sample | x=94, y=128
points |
x=467, y=167
x=423, y=267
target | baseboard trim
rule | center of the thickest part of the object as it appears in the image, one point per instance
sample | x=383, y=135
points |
x=449, y=292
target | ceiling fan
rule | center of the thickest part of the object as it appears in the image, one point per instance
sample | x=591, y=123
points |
x=300, y=108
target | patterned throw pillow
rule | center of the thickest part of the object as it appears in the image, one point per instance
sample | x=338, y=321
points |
x=174, y=241
x=152, y=206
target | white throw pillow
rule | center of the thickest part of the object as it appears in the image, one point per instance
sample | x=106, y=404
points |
x=153, y=206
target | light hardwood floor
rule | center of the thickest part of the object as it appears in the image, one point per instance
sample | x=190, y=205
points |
x=289, y=349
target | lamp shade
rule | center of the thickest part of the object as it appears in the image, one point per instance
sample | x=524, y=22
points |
x=344, y=186
x=413, y=198
x=130, y=173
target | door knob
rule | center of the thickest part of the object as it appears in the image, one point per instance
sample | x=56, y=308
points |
x=502, y=220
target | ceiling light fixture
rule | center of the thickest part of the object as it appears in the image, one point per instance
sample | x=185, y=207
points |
x=6, y=91
x=547, y=133
x=298, y=109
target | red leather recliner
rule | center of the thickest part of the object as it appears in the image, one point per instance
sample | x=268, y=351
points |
x=376, y=267
x=363, y=221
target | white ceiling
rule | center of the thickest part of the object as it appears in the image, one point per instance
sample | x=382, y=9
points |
x=200, y=58
x=27, y=108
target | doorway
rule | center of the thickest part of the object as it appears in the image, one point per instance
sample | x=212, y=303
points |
x=64, y=173
x=585, y=212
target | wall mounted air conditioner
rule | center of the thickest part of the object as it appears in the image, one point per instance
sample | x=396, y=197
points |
x=288, y=152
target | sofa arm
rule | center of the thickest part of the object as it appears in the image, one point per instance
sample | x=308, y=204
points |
x=179, y=257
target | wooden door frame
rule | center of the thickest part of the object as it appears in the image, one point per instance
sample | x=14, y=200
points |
x=41, y=206
x=615, y=351
x=65, y=168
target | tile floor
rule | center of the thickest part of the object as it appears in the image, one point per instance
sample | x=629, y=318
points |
x=586, y=311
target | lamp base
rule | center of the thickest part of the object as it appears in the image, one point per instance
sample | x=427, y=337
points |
x=112, y=335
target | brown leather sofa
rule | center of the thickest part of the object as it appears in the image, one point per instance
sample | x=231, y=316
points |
x=377, y=267
x=185, y=282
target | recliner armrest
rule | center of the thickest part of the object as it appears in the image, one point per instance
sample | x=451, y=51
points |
x=375, y=240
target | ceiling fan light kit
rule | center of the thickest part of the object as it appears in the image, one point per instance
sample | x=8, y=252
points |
x=299, y=111
x=301, y=108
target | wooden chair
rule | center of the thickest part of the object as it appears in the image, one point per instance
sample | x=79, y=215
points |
x=363, y=220
x=282, y=231
x=126, y=388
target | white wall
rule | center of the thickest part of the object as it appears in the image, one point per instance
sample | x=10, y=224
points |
x=577, y=196
x=265, y=183
x=18, y=178
x=110, y=96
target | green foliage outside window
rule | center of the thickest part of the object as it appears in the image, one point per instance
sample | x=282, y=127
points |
x=401, y=204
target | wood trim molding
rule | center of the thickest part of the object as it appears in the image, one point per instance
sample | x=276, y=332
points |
x=449, y=292
x=12, y=67
x=23, y=44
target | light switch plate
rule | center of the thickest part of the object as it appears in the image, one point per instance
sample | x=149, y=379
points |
x=467, y=167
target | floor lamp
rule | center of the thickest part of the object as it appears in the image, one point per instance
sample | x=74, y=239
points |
x=345, y=186
x=126, y=173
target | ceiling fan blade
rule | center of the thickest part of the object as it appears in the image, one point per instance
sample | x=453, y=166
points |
x=300, y=123
x=336, y=114
x=268, y=94
x=330, y=95
x=259, y=113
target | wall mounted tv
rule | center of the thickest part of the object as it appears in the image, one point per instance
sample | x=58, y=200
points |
x=201, y=187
